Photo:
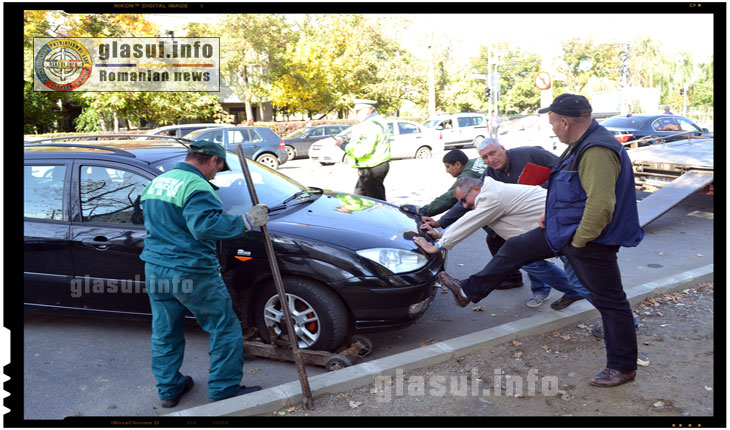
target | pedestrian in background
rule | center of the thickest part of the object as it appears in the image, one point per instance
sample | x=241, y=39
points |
x=184, y=218
x=590, y=213
x=369, y=148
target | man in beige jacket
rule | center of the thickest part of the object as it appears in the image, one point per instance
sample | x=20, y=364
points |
x=509, y=210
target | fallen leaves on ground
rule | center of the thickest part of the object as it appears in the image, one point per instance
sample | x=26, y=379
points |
x=641, y=362
x=478, y=309
x=354, y=404
x=517, y=343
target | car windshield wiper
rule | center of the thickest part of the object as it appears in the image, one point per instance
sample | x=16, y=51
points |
x=309, y=193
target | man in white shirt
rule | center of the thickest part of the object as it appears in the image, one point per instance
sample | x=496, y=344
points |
x=509, y=210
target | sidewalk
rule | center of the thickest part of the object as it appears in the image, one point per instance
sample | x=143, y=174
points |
x=547, y=374
x=536, y=366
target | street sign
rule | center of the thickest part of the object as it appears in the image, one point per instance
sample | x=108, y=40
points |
x=543, y=81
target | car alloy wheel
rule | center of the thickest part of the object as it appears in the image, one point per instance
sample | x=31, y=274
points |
x=319, y=317
x=268, y=160
x=477, y=140
x=291, y=152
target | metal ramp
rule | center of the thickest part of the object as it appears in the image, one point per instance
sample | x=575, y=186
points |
x=664, y=199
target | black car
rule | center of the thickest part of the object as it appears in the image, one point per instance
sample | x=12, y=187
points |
x=299, y=142
x=348, y=262
x=643, y=128
x=180, y=130
x=259, y=143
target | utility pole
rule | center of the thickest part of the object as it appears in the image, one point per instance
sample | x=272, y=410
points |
x=624, y=79
x=431, y=78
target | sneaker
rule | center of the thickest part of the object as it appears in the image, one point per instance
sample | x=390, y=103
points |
x=564, y=302
x=536, y=300
x=171, y=403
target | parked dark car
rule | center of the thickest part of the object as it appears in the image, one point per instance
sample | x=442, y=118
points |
x=348, y=262
x=259, y=143
x=298, y=142
x=643, y=128
x=180, y=130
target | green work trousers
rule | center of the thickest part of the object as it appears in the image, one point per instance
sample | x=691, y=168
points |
x=171, y=292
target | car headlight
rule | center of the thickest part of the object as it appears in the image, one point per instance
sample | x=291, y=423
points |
x=396, y=260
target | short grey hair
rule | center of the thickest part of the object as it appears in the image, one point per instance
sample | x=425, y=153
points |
x=486, y=142
x=465, y=183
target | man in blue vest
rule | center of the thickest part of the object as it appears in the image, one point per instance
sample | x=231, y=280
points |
x=590, y=212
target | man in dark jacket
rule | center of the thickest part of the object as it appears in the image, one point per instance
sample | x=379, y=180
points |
x=590, y=212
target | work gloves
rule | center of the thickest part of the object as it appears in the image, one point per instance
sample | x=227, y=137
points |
x=413, y=210
x=256, y=217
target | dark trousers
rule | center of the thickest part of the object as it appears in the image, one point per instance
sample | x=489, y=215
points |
x=597, y=269
x=370, y=181
x=494, y=242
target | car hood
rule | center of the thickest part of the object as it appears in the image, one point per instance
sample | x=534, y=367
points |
x=349, y=221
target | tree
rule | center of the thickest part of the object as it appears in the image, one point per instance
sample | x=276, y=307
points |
x=582, y=60
x=252, y=53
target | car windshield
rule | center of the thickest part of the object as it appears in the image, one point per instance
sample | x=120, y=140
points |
x=624, y=122
x=296, y=133
x=272, y=188
x=430, y=123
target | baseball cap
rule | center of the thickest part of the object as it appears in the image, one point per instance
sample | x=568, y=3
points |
x=362, y=103
x=569, y=105
x=210, y=148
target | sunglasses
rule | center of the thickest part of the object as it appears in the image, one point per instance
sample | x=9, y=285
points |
x=463, y=199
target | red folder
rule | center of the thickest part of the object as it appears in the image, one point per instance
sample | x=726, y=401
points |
x=534, y=174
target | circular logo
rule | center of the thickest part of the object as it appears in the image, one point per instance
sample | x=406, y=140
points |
x=543, y=81
x=63, y=64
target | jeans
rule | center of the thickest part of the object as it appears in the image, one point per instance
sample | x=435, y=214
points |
x=596, y=267
x=568, y=284
x=206, y=296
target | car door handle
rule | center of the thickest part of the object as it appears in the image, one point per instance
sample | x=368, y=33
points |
x=102, y=243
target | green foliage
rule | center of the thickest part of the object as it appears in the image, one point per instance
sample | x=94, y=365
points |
x=582, y=60
x=88, y=120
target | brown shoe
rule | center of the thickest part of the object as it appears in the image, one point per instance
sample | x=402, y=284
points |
x=611, y=378
x=454, y=285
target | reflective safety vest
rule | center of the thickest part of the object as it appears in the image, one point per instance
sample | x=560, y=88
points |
x=369, y=143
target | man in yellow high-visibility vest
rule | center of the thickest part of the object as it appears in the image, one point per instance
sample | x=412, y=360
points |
x=369, y=147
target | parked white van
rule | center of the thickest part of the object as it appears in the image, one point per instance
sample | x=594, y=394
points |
x=460, y=129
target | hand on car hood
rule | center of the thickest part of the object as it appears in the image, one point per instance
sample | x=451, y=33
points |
x=351, y=221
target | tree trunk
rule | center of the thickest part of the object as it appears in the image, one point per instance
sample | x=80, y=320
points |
x=116, y=121
x=102, y=122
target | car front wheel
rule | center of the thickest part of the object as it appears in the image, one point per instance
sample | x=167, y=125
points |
x=268, y=160
x=319, y=317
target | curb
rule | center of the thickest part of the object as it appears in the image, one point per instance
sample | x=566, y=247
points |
x=289, y=394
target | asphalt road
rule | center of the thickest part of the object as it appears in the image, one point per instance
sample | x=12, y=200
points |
x=93, y=367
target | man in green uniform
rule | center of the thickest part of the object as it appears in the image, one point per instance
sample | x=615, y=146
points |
x=184, y=218
x=369, y=147
x=458, y=165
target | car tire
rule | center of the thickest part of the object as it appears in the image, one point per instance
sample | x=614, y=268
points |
x=320, y=317
x=268, y=160
x=423, y=152
x=477, y=140
x=291, y=152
